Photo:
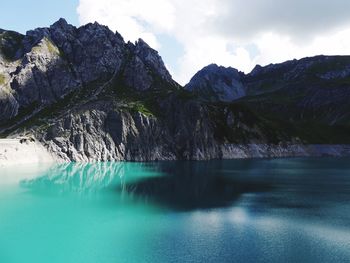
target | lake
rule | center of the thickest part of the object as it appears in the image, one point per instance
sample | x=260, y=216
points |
x=268, y=210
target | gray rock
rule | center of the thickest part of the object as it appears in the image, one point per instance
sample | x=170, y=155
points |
x=136, y=75
x=217, y=84
x=152, y=60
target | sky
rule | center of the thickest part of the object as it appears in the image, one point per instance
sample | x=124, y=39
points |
x=190, y=34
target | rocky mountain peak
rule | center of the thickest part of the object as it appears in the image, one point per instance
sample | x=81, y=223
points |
x=152, y=59
x=216, y=83
x=61, y=23
x=53, y=62
x=145, y=69
x=141, y=43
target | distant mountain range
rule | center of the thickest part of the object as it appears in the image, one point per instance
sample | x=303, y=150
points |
x=87, y=95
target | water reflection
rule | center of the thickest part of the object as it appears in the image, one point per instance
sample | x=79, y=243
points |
x=180, y=185
x=87, y=178
x=13, y=174
x=317, y=188
x=189, y=185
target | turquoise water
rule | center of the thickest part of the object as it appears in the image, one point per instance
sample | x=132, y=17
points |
x=283, y=210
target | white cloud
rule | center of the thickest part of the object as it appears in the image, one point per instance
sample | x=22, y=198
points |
x=223, y=31
x=274, y=48
x=132, y=18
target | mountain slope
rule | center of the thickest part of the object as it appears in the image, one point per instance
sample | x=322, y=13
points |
x=305, y=98
x=312, y=89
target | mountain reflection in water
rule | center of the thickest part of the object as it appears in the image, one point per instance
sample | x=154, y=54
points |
x=177, y=185
x=299, y=185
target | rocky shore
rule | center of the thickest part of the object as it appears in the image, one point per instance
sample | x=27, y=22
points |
x=15, y=152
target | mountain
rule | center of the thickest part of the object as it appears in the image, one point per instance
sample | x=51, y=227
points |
x=305, y=98
x=217, y=84
x=87, y=95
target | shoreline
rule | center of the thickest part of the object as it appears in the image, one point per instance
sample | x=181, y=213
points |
x=17, y=151
x=21, y=152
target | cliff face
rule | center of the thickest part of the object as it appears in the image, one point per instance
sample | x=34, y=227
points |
x=86, y=95
x=99, y=131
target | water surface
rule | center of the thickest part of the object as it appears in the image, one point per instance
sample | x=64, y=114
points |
x=281, y=210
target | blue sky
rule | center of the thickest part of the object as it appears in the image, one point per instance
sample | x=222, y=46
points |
x=190, y=34
x=23, y=15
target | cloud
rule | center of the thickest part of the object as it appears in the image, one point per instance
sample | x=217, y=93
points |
x=228, y=32
x=132, y=18
x=297, y=18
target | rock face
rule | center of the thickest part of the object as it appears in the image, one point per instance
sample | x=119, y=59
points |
x=217, y=84
x=101, y=133
x=50, y=63
x=86, y=95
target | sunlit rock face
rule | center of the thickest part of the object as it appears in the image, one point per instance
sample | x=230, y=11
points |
x=48, y=64
x=217, y=84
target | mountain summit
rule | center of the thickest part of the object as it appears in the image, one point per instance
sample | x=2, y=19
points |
x=214, y=83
